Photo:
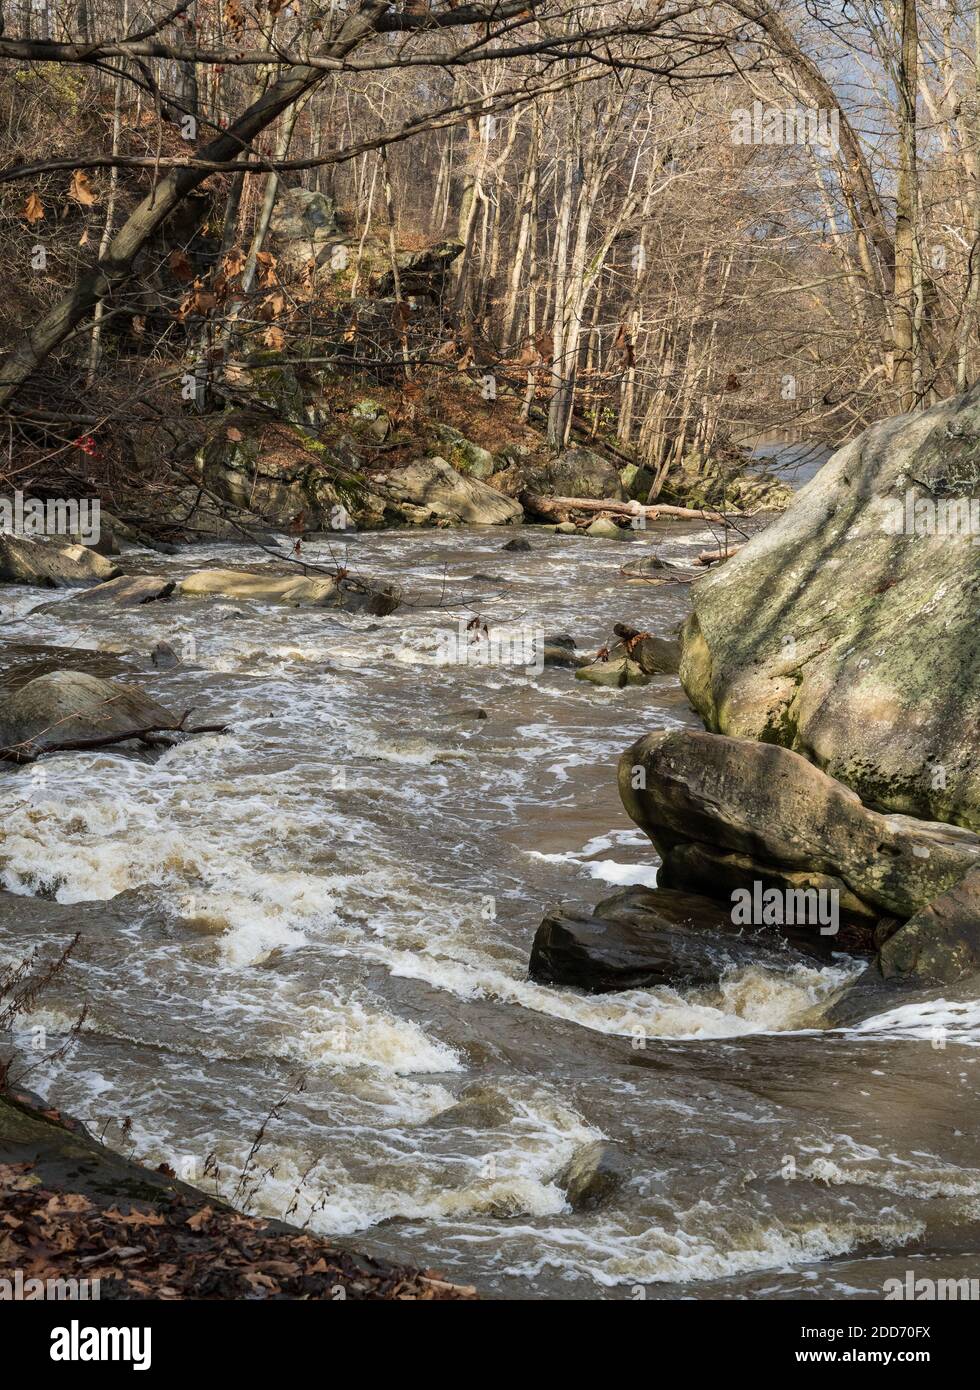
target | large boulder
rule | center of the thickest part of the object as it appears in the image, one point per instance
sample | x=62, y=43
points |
x=281, y=471
x=581, y=472
x=52, y=566
x=726, y=812
x=855, y=640
x=67, y=706
x=293, y=591
x=430, y=490
x=304, y=228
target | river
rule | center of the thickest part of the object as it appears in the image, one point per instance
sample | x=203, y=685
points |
x=326, y=913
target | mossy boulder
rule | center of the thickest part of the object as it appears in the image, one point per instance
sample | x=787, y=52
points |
x=581, y=472
x=465, y=456
x=847, y=630
x=284, y=471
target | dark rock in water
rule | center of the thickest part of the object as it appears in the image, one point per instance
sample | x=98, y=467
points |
x=68, y=706
x=940, y=943
x=52, y=566
x=593, y=1175
x=560, y=655
x=639, y=939
x=470, y=712
x=487, y=578
x=518, y=543
x=128, y=591
x=559, y=639
x=164, y=657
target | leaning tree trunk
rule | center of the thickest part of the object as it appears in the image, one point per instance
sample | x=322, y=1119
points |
x=111, y=272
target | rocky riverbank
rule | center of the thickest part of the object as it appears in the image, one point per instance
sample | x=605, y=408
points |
x=835, y=660
x=79, y=1216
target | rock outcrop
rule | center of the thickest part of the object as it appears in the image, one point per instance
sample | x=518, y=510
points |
x=725, y=813
x=942, y=942
x=856, y=641
x=52, y=566
x=430, y=490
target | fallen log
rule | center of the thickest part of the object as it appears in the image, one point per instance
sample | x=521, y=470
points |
x=558, y=507
x=714, y=557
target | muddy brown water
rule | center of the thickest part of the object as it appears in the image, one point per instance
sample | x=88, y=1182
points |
x=340, y=895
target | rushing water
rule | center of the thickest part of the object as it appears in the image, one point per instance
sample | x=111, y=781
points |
x=331, y=907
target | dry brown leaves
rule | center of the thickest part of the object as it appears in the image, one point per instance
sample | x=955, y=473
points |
x=178, y=1248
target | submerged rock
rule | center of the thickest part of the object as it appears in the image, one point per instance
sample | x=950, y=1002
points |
x=67, y=706
x=762, y=812
x=848, y=630
x=52, y=566
x=294, y=591
x=518, y=543
x=592, y=1176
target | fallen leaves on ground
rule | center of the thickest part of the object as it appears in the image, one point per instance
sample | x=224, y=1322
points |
x=179, y=1247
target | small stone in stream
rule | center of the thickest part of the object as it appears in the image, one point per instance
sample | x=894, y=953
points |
x=617, y=674
x=566, y=528
x=518, y=543
x=470, y=712
x=649, y=564
x=591, y=1177
x=487, y=579
x=558, y=639
x=164, y=657
x=605, y=529
x=128, y=591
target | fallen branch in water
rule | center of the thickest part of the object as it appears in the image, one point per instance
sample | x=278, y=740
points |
x=558, y=506
x=28, y=752
x=714, y=557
